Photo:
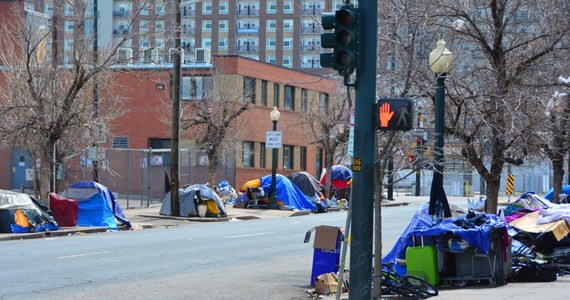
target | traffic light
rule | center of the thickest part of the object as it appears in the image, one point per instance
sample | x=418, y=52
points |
x=394, y=114
x=343, y=41
x=328, y=40
x=346, y=39
x=411, y=159
x=421, y=144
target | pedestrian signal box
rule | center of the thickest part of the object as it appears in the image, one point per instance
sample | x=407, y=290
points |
x=394, y=114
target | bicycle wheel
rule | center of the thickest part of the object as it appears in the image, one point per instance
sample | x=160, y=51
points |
x=420, y=286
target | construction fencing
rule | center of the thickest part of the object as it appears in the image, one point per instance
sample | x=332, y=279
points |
x=141, y=177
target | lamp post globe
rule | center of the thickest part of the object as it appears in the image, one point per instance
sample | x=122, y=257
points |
x=274, y=116
x=440, y=60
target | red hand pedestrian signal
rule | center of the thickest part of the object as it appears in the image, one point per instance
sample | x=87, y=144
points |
x=394, y=114
x=385, y=115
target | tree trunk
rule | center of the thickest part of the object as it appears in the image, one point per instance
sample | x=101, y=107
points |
x=492, y=193
x=212, y=167
x=328, y=166
x=558, y=175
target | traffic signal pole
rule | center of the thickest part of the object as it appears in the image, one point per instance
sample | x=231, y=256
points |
x=361, y=233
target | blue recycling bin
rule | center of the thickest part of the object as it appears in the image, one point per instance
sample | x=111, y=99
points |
x=326, y=254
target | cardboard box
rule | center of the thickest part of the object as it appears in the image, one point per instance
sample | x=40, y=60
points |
x=326, y=237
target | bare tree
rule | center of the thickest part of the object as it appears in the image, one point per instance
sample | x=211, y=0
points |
x=328, y=120
x=48, y=102
x=211, y=120
x=508, y=64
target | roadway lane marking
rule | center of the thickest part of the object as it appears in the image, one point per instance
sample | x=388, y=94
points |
x=248, y=235
x=84, y=254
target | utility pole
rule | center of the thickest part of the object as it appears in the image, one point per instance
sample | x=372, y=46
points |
x=95, y=83
x=175, y=94
x=361, y=233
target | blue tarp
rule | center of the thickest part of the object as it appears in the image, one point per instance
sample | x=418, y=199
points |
x=97, y=205
x=421, y=225
x=287, y=193
x=550, y=193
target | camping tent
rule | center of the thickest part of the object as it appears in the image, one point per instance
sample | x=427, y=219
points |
x=21, y=213
x=550, y=193
x=341, y=177
x=97, y=206
x=307, y=183
x=287, y=193
x=191, y=197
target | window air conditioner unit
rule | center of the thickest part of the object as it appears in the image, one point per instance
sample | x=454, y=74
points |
x=125, y=55
x=171, y=55
x=202, y=55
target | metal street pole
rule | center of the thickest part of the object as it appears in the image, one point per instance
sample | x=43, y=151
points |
x=175, y=133
x=274, y=115
x=440, y=61
x=95, y=83
x=362, y=202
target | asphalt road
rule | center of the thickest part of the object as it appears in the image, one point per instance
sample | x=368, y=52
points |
x=255, y=259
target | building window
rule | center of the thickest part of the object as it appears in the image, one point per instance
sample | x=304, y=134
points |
x=223, y=44
x=196, y=87
x=288, y=155
x=207, y=26
x=264, y=92
x=270, y=59
x=276, y=95
x=247, y=154
x=271, y=43
x=303, y=100
x=323, y=103
x=288, y=7
x=68, y=10
x=287, y=44
x=249, y=89
x=223, y=8
x=69, y=26
x=287, y=25
x=207, y=8
x=121, y=142
x=48, y=9
x=223, y=26
x=159, y=26
x=206, y=43
x=271, y=7
x=160, y=9
x=287, y=61
x=262, y=156
x=271, y=26
x=303, y=158
x=289, y=101
x=145, y=10
x=319, y=161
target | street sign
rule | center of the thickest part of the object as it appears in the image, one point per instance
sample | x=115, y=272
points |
x=273, y=139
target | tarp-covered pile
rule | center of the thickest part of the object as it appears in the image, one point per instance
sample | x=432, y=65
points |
x=541, y=224
x=88, y=203
x=20, y=213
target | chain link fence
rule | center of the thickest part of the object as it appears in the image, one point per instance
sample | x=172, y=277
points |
x=141, y=177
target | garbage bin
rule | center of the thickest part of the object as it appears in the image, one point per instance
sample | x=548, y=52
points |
x=326, y=253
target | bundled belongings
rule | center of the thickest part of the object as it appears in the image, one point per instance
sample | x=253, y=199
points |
x=194, y=197
x=88, y=203
x=327, y=283
x=289, y=196
x=21, y=213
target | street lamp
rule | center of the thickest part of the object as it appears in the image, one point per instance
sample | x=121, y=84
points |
x=274, y=115
x=440, y=62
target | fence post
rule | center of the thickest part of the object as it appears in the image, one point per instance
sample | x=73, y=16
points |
x=149, y=179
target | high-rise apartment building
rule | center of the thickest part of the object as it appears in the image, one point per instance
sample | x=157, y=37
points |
x=285, y=33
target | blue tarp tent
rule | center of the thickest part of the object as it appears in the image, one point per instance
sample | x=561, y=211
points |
x=287, y=193
x=97, y=205
x=550, y=193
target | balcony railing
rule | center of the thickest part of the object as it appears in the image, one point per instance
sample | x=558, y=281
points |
x=310, y=29
x=311, y=11
x=310, y=48
x=190, y=31
x=247, y=49
x=311, y=65
x=122, y=14
x=247, y=12
x=247, y=30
